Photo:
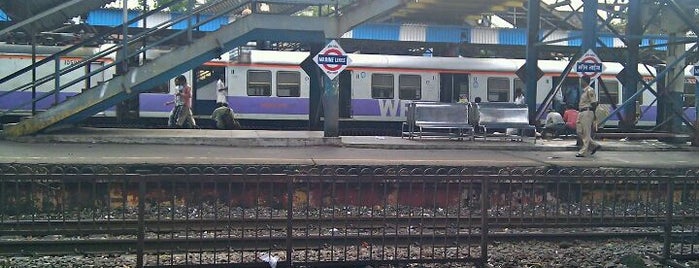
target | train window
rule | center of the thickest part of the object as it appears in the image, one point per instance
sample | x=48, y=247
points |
x=382, y=86
x=690, y=85
x=259, y=83
x=612, y=89
x=498, y=89
x=288, y=84
x=409, y=87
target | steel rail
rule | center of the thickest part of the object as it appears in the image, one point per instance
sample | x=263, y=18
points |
x=197, y=244
x=122, y=227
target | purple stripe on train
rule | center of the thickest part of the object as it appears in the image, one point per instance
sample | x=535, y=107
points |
x=151, y=102
x=267, y=105
x=14, y=99
x=246, y=105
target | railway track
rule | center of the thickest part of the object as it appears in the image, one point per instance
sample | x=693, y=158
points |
x=121, y=227
x=59, y=237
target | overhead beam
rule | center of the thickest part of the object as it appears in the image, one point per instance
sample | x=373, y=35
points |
x=367, y=11
x=40, y=16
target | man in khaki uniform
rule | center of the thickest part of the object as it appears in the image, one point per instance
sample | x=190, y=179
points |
x=586, y=118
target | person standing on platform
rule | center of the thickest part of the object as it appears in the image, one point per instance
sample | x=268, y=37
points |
x=177, y=110
x=586, y=117
x=221, y=91
x=474, y=116
x=186, y=119
x=570, y=116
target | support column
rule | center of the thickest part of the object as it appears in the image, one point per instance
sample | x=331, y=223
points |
x=33, y=74
x=533, y=17
x=634, y=32
x=695, y=142
x=331, y=104
x=672, y=95
x=315, y=109
x=589, y=35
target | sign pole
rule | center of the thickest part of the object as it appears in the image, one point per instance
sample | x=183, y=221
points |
x=331, y=109
x=696, y=105
x=332, y=60
x=531, y=81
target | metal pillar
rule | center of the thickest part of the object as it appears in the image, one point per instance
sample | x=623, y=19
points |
x=633, y=42
x=331, y=106
x=190, y=10
x=695, y=142
x=124, y=35
x=531, y=64
x=672, y=96
x=33, y=74
x=589, y=35
x=316, y=89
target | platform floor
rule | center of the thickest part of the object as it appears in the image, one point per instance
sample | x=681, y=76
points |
x=205, y=146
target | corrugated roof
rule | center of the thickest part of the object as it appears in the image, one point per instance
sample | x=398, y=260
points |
x=453, y=12
x=20, y=10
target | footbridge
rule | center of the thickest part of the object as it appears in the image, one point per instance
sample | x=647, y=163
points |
x=240, y=30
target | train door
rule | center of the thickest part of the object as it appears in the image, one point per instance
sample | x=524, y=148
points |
x=453, y=86
x=570, y=89
x=204, y=84
x=345, y=94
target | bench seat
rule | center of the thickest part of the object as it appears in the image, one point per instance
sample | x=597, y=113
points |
x=503, y=116
x=437, y=120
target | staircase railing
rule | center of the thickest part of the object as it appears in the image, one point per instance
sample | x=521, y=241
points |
x=137, y=39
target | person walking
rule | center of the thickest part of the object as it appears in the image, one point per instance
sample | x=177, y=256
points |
x=185, y=119
x=176, y=111
x=586, y=118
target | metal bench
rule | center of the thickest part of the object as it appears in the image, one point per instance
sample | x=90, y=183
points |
x=502, y=115
x=435, y=120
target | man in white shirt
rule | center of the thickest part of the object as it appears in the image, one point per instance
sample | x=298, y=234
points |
x=221, y=91
x=554, y=124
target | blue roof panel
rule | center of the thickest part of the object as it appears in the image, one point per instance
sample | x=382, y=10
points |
x=377, y=32
x=607, y=40
x=109, y=17
x=213, y=25
x=444, y=34
x=576, y=38
x=512, y=37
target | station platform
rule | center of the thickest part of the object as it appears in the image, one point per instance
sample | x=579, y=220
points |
x=206, y=146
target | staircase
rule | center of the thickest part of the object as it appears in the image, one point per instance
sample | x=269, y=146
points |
x=256, y=26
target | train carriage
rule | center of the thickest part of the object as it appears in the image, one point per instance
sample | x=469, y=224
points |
x=270, y=86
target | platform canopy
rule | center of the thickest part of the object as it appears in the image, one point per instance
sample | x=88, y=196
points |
x=454, y=12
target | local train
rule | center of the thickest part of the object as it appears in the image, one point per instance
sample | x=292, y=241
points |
x=271, y=86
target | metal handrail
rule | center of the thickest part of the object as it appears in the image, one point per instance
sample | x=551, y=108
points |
x=137, y=38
